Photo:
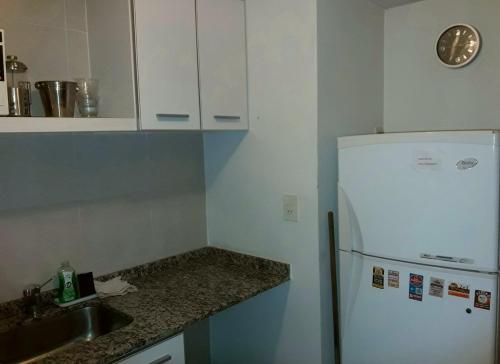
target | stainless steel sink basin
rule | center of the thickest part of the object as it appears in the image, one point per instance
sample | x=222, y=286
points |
x=26, y=343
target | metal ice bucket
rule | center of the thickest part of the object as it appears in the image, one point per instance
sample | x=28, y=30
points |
x=58, y=98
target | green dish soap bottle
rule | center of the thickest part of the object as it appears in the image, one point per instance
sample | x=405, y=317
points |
x=68, y=285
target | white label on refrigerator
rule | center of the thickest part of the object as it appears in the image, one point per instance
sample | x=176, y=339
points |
x=426, y=160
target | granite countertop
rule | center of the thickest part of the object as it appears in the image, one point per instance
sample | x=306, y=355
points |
x=172, y=294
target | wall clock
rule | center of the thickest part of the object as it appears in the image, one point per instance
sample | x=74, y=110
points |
x=458, y=45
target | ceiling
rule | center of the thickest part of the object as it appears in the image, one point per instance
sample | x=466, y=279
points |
x=392, y=3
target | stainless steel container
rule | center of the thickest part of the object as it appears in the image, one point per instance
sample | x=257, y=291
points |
x=19, y=89
x=20, y=99
x=58, y=98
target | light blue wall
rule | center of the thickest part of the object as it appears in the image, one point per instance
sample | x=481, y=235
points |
x=246, y=176
x=350, y=101
x=315, y=73
x=420, y=93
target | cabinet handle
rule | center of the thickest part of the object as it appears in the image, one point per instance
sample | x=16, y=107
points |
x=178, y=116
x=227, y=117
x=162, y=360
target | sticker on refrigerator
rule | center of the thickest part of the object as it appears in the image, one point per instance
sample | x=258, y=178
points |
x=393, y=278
x=426, y=160
x=458, y=290
x=482, y=299
x=416, y=289
x=436, y=287
x=378, y=277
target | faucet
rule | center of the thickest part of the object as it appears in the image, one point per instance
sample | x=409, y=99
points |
x=33, y=299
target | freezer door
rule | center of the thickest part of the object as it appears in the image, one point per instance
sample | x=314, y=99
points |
x=434, y=203
x=385, y=326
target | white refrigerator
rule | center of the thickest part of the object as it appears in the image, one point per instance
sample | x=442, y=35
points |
x=418, y=247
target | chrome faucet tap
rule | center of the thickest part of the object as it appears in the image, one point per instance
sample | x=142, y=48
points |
x=33, y=299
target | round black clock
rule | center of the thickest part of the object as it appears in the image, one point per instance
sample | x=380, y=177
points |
x=458, y=45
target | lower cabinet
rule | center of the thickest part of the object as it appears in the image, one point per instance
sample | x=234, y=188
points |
x=170, y=351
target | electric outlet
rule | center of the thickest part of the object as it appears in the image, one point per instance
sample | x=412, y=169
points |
x=290, y=208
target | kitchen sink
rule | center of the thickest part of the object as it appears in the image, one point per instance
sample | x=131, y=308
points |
x=35, y=340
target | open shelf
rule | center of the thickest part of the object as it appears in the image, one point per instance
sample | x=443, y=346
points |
x=61, y=125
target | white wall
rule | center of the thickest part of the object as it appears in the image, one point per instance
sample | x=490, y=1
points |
x=421, y=94
x=350, y=101
x=246, y=175
x=102, y=201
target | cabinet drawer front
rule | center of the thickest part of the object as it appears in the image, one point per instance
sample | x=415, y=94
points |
x=167, y=352
x=167, y=64
x=223, y=64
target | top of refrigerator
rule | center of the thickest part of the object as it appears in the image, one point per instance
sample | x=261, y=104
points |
x=482, y=137
x=428, y=198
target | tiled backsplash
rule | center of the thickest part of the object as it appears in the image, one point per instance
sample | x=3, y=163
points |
x=102, y=201
x=49, y=36
x=46, y=169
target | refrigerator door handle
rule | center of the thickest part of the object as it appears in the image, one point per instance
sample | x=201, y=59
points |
x=353, y=270
x=350, y=237
x=445, y=258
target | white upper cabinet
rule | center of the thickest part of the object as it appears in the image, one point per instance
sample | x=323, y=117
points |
x=222, y=64
x=191, y=55
x=167, y=64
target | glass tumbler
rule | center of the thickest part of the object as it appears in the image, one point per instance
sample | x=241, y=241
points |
x=87, y=97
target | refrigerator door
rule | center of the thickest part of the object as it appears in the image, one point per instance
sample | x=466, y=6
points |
x=422, y=198
x=385, y=326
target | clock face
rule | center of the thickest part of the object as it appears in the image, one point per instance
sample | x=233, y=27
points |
x=458, y=45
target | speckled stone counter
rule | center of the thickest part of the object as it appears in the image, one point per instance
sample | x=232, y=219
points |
x=173, y=293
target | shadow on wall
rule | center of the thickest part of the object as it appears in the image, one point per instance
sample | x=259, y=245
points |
x=265, y=310
x=222, y=146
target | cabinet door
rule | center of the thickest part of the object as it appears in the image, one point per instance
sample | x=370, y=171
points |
x=167, y=352
x=222, y=64
x=167, y=64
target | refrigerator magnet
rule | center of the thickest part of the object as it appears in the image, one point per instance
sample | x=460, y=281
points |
x=393, y=278
x=458, y=290
x=482, y=299
x=436, y=287
x=378, y=277
x=416, y=288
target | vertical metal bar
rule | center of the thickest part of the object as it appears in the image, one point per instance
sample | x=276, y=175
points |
x=135, y=62
x=197, y=32
x=497, y=334
x=335, y=290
